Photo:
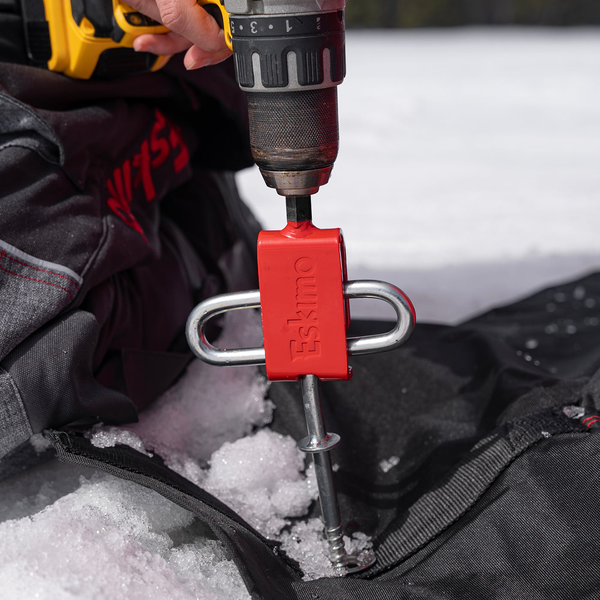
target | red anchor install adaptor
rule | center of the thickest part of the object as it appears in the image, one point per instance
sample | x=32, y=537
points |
x=301, y=271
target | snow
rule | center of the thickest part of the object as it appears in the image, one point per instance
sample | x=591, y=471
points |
x=204, y=410
x=112, y=539
x=108, y=437
x=389, y=463
x=477, y=152
x=261, y=478
x=466, y=155
x=304, y=542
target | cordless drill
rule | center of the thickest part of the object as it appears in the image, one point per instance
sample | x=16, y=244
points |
x=289, y=57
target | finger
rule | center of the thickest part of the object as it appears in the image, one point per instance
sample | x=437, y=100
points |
x=189, y=20
x=164, y=44
x=195, y=57
x=147, y=7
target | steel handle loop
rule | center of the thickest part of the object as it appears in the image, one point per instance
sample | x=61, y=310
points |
x=405, y=314
x=210, y=308
x=217, y=305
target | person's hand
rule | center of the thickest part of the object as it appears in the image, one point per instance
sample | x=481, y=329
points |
x=191, y=28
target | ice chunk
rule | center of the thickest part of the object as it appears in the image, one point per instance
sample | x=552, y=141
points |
x=107, y=437
x=261, y=477
x=386, y=464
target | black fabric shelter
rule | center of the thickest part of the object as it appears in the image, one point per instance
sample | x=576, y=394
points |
x=495, y=494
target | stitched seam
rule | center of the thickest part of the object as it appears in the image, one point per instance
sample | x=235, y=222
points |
x=75, y=284
x=41, y=264
x=31, y=278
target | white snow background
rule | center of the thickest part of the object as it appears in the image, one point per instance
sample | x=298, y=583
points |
x=468, y=175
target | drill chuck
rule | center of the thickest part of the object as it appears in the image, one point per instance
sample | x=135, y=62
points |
x=294, y=138
x=290, y=57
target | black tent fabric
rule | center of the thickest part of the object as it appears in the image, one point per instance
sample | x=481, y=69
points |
x=495, y=425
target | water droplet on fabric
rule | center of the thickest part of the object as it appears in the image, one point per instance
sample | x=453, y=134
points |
x=571, y=329
x=560, y=297
x=531, y=344
x=550, y=307
x=527, y=358
x=579, y=293
x=552, y=328
x=592, y=321
x=589, y=302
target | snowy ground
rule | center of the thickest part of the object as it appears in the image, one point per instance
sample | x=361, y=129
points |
x=468, y=175
x=468, y=168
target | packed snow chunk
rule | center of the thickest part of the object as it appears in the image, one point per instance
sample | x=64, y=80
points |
x=210, y=405
x=40, y=443
x=389, y=463
x=261, y=477
x=111, y=539
x=306, y=543
x=107, y=437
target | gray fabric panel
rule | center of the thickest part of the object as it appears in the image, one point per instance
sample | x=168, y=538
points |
x=53, y=371
x=14, y=424
x=21, y=126
x=44, y=265
x=30, y=295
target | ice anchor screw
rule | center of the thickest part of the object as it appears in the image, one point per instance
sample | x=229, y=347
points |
x=318, y=442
